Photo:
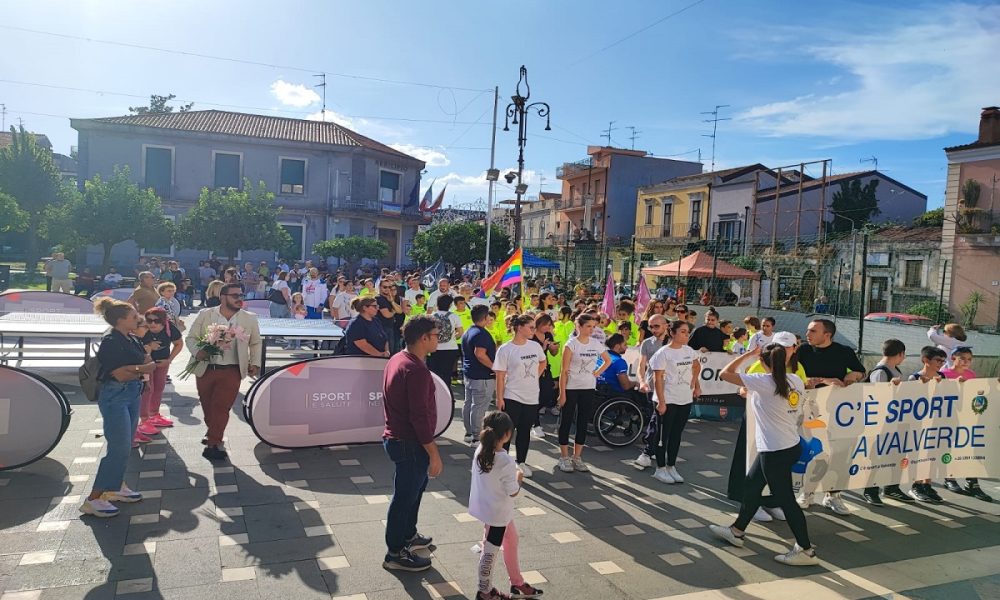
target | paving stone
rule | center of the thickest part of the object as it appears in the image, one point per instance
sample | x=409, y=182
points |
x=279, y=551
x=332, y=562
x=183, y=563
x=565, y=537
x=629, y=529
x=38, y=558
x=272, y=522
x=134, y=586
x=239, y=574
x=299, y=580
x=531, y=511
x=676, y=559
x=362, y=479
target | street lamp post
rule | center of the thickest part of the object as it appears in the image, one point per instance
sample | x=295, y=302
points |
x=517, y=114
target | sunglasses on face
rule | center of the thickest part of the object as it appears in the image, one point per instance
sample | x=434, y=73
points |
x=153, y=322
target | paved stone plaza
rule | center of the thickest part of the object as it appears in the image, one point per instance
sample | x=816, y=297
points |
x=308, y=524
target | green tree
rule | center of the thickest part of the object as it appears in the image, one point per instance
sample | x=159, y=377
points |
x=232, y=219
x=28, y=175
x=931, y=218
x=12, y=218
x=110, y=212
x=351, y=249
x=459, y=243
x=158, y=104
x=853, y=202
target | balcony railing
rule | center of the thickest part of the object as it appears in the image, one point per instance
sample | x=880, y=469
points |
x=577, y=201
x=674, y=232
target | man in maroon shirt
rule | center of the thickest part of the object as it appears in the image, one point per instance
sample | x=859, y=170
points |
x=410, y=420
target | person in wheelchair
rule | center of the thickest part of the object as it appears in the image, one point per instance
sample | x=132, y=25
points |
x=615, y=380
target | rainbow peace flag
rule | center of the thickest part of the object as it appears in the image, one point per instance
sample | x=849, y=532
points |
x=508, y=274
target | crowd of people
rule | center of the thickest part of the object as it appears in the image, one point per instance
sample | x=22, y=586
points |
x=519, y=358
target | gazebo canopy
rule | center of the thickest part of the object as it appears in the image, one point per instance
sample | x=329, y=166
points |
x=700, y=265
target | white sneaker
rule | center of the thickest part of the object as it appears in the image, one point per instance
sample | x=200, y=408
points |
x=777, y=513
x=524, y=468
x=99, y=508
x=662, y=474
x=123, y=495
x=804, y=500
x=468, y=439
x=538, y=432
x=566, y=464
x=726, y=533
x=677, y=476
x=579, y=465
x=797, y=557
x=642, y=461
x=834, y=502
x=762, y=516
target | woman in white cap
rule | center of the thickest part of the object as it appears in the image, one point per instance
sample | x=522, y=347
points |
x=769, y=509
x=775, y=400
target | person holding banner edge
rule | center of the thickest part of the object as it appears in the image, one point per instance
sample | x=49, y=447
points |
x=774, y=400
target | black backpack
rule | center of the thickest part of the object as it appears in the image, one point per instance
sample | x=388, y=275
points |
x=883, y=368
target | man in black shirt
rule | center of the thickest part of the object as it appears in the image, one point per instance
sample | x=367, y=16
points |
x=827, y=362
x=478, y=352
x=708, y=337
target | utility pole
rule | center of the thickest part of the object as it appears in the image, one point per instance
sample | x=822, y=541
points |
x=607, y=133
x=634, y=135
x=715, y=127
x=322, y=85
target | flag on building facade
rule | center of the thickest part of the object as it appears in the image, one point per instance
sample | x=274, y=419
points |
x=507, y=275
x=439, y=201
x=426, y=202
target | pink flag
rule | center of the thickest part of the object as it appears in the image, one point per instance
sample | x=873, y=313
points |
x=608, y=305
x=642, y=297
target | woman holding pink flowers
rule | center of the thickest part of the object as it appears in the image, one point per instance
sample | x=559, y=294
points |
x=225, y=344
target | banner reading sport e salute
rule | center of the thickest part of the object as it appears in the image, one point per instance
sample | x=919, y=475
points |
x=879, y=433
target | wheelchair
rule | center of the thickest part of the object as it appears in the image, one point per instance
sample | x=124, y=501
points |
x=620, y=418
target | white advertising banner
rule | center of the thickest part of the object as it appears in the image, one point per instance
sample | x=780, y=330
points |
x=713, y=390
x=875, y=434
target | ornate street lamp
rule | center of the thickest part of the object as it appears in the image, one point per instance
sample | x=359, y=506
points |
x=517, y=113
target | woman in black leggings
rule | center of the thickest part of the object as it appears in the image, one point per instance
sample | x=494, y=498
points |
x=774, y=401
x=577, y=388
x=518, y=364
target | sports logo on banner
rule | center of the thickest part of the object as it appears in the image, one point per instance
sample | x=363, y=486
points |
x=876, y=434
x=327, y=402
x=34, y=414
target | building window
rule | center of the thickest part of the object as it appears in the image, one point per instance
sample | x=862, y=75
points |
x=695, y=212
x=158, y=169
x=227, y=170
x=295, y=250
x=293, y=176
x=168, y=252
x=389, y=183
x=541, y=230
x=668, y=218
x=727, y=228
x=649, y=213
x=914, y=273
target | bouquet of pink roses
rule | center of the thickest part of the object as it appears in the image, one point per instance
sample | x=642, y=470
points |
x=217, y=339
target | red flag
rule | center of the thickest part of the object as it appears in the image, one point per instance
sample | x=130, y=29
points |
x=440, y=199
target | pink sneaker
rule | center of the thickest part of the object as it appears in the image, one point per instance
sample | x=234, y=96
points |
x=160, y=421
x=140, y=439
x=147, y=428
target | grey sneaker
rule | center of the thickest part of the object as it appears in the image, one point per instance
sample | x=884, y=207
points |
x=566, y=464
x=798, y=557
x=579, y=465
x=726, y=533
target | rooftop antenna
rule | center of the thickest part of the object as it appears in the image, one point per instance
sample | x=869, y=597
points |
x=607, y=132
x=322, y=85
x=715, y=126
x=872, y=159
x=634, y=135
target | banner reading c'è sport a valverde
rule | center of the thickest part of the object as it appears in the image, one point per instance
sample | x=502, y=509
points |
x=876, y=434
x=327, y=402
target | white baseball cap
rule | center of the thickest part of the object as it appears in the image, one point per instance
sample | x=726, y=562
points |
x=784, y=338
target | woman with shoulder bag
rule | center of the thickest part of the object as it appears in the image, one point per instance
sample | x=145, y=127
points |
x=124, y=365
x=280, y=297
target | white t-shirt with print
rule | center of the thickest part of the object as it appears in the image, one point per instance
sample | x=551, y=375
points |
x=580, y=374
x=490, y=498
x=520, y=363
x=776, y=418
x=677, y=365
x=342, y=303
x=759, y=340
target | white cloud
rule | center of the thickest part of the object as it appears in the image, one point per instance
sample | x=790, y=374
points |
x=923, y=77
x=433, y=158
x=332, y=117
x=294, y=94
x=467, y=189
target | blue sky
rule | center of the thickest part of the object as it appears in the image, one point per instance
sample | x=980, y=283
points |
x=841, y=80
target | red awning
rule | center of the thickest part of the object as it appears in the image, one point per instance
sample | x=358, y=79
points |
x=700, y=265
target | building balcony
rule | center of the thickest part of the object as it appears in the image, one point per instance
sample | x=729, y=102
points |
x=674, y=233
x=579, y=201
x=980, y=239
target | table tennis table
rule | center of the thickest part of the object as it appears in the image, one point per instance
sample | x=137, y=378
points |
x=17, y=326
